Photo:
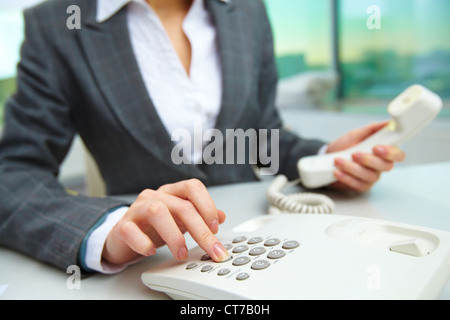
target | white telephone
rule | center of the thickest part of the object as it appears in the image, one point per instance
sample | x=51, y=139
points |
x=313, y=257
x=411, y=111
x=296, y=256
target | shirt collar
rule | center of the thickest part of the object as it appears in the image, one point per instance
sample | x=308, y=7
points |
x=107, y=8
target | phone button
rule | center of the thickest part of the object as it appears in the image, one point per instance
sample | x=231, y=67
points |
x=239, y=239
x=191, y=266
x=411, y=247
x=276, y=254
x=223, y=272
x=242, y=276
x=254, y=240
x=205, y=257
x=292, y=244
x=272, y=242
x=257, y=251
x=207, y=268
x=260, y=264
x=240, y=248
x=240, y=261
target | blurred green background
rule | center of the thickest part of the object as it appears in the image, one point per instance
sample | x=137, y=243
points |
x=7, y=88
x=412, y=45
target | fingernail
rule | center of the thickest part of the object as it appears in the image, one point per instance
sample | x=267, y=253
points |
x=220, y=251
x=151, y=251
x=338, y=174
x=214, y=226
x=340, y=162
x=358, y=156
x=182, y=253
x=380, y=150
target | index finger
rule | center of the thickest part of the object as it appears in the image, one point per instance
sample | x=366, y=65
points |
x=195, y=192
x=188, y=215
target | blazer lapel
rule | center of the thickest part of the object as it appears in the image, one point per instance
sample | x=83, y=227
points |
x=110, y=54
x=236, y=61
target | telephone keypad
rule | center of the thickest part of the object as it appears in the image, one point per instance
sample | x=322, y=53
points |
x=254, y=252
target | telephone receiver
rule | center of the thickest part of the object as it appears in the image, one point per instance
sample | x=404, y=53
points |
x=411, y=111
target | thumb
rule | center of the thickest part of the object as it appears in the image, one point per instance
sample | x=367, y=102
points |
x=365, y=132
x=355, y=136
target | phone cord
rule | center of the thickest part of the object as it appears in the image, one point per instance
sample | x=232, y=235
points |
x=303, y=202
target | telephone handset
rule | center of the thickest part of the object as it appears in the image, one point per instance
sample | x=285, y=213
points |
x=411, y=111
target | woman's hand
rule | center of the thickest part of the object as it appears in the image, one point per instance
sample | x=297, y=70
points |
x=162, y=216
x=365, y=169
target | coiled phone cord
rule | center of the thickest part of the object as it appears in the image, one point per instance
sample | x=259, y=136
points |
x=303, y=202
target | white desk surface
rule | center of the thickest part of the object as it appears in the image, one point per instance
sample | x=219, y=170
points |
x=417, y=195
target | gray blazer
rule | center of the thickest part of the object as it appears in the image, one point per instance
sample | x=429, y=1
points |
x=87, y=81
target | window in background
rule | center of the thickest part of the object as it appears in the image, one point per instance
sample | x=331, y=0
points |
x=11, y=35
x=303, y=41
x=302, y=36
x=411, y=46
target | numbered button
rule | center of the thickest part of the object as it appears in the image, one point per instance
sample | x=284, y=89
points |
x=254, y=240
x=239, y=239
x=272, y=242
x=243, y=276
x=260, y=265
x=205, y=257
x=257, y=251
x=191, y=266
x=290, y=244
x=276, y=254
x=240, y=261
x=223, y=272
x=240, y=248
x=206, y=268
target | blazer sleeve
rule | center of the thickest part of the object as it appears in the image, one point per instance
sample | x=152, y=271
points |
x=37, y=215
x=291, y=146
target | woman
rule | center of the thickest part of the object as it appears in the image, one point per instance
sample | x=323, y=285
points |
x=135, y=72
